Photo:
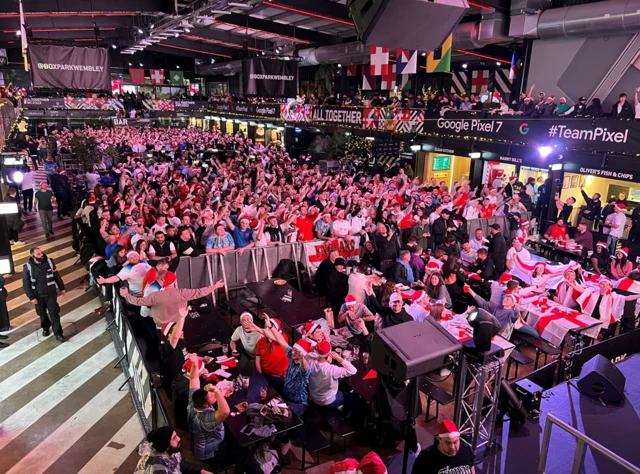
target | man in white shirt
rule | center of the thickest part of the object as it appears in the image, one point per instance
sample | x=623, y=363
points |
x=358, y=283
x=468, y=255
x=478, y=240
x=614, y=226
x=132, y=272
x=323, y=381
x=419, y=302
x=517, y=250
x=160, y=225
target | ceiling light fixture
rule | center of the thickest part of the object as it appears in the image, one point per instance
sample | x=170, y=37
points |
x=113, y=46
x=140, y=30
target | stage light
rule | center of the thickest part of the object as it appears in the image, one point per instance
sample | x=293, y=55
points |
x=544, y=151
x=339, y=65
x=415, y=147
x=176, y=35
x=485, y=326
x=141, y=65
x=187, y=30
x=17, y=177
x=369, y=138
x=177, y=67
x=464, y=66
x=130, y=64
x=213, y=61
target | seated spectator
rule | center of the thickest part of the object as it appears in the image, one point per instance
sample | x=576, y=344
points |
x=621, y=267
x=248, y=334
x=565, y=294
x=506, y=313
x=401, y=271
x=323, y=381
x=600, y=259
x=161, y=453
x=419, y=305
x=437, y=290
x=557, y=231
x=583, y=237
x=355, y=315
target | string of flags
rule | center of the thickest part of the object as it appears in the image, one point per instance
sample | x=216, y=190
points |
x=157, y=76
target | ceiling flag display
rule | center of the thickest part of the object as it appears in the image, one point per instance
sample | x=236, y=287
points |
x=176, y=78
x=157, y=76
x=136, y=76
x=379, y=63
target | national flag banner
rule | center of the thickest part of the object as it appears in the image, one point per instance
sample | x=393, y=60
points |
x=194, y=88
x=176, y=78
x=440, y=59
x=403, y=81
x=406, y=61
x=352, y=70
x=157, y=76
x=317, y=251
x=479, y=81
x=379, y=64
x=369, y=81
x=389, y=80
x=136, y=76
x=513, y=72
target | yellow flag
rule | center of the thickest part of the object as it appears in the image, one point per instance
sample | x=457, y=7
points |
x=440, y=59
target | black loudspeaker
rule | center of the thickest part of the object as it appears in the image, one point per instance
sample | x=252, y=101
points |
x=599, y=378
x=410, y=349
x=407, y=24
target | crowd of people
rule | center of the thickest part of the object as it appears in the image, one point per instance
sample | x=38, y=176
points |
x=180, y=193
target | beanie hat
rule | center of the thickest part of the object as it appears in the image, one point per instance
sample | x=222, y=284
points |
x=350, y=300
x=323, y=348
x=447, y=429
x=160, y=438
x=302, y=346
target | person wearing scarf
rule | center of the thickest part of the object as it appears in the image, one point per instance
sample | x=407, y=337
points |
x=568, y=292
x=603, y=304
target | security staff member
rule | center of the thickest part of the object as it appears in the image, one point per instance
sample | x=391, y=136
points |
x=39, y=280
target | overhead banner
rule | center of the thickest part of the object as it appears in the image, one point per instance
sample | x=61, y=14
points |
x=270, y=77
x=43, y=103
x=349, y=116
x=64, y=67
x=257, y=110
x=316, y=251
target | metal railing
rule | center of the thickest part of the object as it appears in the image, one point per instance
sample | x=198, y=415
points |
x=582, y=441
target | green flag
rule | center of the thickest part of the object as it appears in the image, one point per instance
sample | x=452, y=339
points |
x=176, y=78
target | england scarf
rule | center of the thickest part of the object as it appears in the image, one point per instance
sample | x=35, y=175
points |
x=611, y=306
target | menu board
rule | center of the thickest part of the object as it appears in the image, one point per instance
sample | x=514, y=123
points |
x=441, y=163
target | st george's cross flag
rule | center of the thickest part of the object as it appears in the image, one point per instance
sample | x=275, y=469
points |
x=176, y=78
x=389, y=80
x=379, y=63
x=406, y=61
x=157, y=76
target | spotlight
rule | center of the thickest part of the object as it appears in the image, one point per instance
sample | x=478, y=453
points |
x=187, y=30
x=498, y=63
x=18, y=33
x=544, y=151
x=485, y=326
x=130, y=64
x=177, y=67
x=424, y=54
x=17, y=177
x=140, y=30
x=176, y=35
x=464, y=66
x=213, y=61
x=141, y=65
x=114, y=46
x=152, y=26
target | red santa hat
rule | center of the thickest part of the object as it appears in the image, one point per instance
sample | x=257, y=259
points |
x=350, y=300
x=277, y=324
x=372, y=464
x=323, y=348
x=92, y=200
x=504, y=278
x=602, y=244
x=302, y=346
x=520, y=240
x=188, y=364
x=512, y=178
x=433, y=266
x=447, y=429
x=621, y=206
x=309, y=328
x=624, y=251
x=166, y=328
x=245, y=218
x=511, y=294
x=246, y=314
x=254, y=224
x=418, y=296
x=524, y=222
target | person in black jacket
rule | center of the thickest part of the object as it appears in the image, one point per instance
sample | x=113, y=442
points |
x=39, y=280
x=497, y=248
x=440, y=228
x=387, y=245
x=337, y=284
x=14, y=221
x=622, y=109
x=62, y=191
x=401, y=272
x=592, y=212
x=4, y=313
x=323, y=270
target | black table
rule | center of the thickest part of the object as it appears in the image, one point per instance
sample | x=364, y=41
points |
x=296, y=313
x=250, y=395
x=542, y=243
x=205, y=324
x=365, y=388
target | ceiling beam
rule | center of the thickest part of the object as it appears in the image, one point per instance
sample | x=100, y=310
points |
x=227, y=39
x=278, y=29
x=322, y=9
x=69, y=6
x=205, y=48
x=183, y=52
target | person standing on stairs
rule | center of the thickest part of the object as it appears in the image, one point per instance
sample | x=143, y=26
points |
x=39, y=280
x=27, y=190
x=44, y=205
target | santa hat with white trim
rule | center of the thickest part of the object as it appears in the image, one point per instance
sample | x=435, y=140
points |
x=624, y=251
x=602, y=244
x=166, y=329
x=303, y=346
x=447, y=429
x=309, y=328
x=350, y=300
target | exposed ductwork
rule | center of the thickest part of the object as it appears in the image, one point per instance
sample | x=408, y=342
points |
x=613, y=17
